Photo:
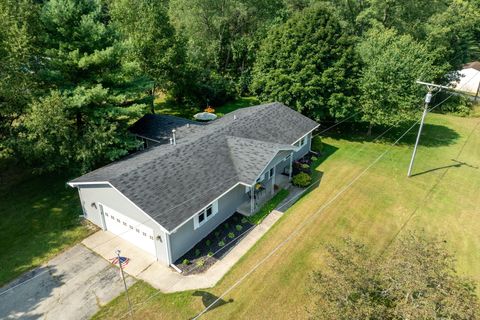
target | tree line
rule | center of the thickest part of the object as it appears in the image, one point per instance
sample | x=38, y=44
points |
x=74, y=74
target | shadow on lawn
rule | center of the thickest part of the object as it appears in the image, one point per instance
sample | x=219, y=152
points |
x=208, y=299
x=457, y=164
x=433, y=135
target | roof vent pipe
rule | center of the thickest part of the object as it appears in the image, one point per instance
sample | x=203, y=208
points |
x=234, y=117
x=188, y=125
x=171, y=141
x=173, y=136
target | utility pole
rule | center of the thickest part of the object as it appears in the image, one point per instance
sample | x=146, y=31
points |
x=428, y=98
x=125, y=284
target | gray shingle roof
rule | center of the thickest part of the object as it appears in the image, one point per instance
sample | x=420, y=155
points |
x=171, y=183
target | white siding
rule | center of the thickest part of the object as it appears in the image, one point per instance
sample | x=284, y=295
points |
x=105, y=194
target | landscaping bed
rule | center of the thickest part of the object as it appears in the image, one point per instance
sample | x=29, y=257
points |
x=214, y=246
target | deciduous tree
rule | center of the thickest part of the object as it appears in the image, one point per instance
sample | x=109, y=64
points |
x=391, y=65
x=308, y=63
x=416, y=280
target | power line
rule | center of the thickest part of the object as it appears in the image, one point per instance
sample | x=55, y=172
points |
x=147, y=220
x=291, y=200
x=306, y=221
x=117, y=235
x=427, y=195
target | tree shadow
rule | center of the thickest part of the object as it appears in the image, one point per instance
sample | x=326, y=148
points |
x=457, y=164
x=433, y=135
x=327, y=151
x=208, y=299
x=21, y=300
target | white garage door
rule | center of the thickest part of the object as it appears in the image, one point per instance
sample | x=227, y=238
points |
x=129, y=229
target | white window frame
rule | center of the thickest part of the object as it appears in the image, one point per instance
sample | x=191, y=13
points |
x=196, y=220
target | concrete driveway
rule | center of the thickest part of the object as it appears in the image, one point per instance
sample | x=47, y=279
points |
x=76, y=283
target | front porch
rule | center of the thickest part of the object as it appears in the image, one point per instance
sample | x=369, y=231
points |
x=263, y=191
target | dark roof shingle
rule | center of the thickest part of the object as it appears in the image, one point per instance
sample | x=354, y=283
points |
x=171, y=183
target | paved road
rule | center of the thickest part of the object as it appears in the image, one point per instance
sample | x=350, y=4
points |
x=76, y=284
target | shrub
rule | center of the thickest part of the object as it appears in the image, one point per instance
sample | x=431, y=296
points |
x=314, y=158
x=208, y=243
x=200, y=262
x=210, y=254
x=217, y=234
x=305, y=166
x=317, y=144
x=197, y=252
x=302, y=180
x=238, y=227
x=186, y=262
x=244, y=220
x=231, y=235
x=221, y=243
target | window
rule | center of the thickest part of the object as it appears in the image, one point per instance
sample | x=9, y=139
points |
x=144, y=234
x=118, y=220
x=124, y=223
x=300, y=143
x=271, y=172
x=137, y=230
x=204, y=215
x=208, y=211
x=131, y=227
x=151, y=237
x=106, y=214
x=113, y=218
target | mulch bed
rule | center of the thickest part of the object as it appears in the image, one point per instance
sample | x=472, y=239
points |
x=200, y=257
x=297, y=165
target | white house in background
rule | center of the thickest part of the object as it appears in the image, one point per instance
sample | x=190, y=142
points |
x=168, y=197
x=469, y=78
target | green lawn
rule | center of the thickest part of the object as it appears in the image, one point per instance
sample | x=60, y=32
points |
x=381, y=205
x=39, y=219
x=268, y=207
x=165, y=106
x=237, y=104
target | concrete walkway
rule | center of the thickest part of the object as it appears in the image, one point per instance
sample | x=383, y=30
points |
x=168, y=280
x=73, y=285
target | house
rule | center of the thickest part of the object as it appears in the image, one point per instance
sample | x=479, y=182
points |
x=168, y=197
x=469, y=78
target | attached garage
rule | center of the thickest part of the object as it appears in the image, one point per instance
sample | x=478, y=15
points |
x=128, y=229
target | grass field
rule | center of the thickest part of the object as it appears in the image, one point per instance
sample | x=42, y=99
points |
x=39, y=219
x=441, y=200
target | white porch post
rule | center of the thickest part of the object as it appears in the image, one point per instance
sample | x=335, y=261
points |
x=291, y=167
x=273, y=179
x=252, y=198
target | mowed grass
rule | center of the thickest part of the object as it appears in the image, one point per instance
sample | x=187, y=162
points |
x=383, y=204
x=39, y=219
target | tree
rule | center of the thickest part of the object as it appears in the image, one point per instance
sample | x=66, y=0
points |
x=308, y=63
x=391, y=65
x=82, y=119
x=453, y=35
x=18, y=22
x=417, y=280
x=152, y=43
x=406, y=16
x=223, y=36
